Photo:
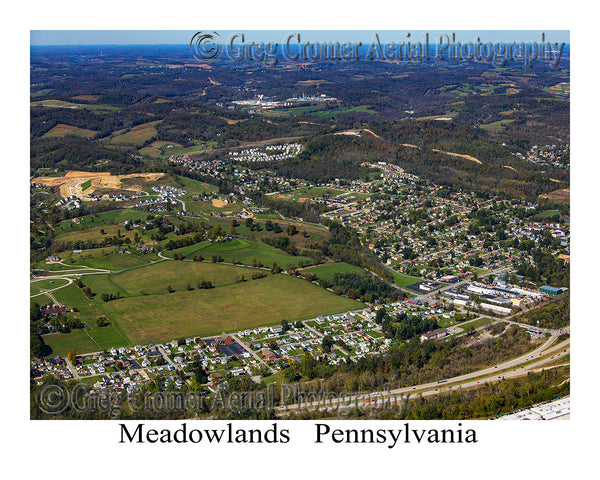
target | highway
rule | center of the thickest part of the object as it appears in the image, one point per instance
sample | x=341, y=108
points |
x=546, y=353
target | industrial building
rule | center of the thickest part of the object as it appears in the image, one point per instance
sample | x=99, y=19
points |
x=551, y=290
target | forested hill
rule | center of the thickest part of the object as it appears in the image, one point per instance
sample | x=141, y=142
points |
x=327, y=157
x=443, y=152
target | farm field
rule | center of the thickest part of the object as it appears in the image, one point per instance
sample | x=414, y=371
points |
x=209, y=312
x=316, y=233
x=292, y=111
x=105, y=259
x=137, y=136
x=41, y=93
x=86, y=221
x=93, y=233
x=496, y=126
x=198, y=147
x=62, y=130
x=121, y=215
x=154, y=279
x=195, y=187
x=337, y=111
x=156, y=149
x=562, y=195
x=313, y=192
x=64, y=104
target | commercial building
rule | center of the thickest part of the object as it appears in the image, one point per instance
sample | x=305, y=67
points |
x=551, y=290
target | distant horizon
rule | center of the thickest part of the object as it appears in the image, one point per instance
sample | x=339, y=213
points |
x=84, y=38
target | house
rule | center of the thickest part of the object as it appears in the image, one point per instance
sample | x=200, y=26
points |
x=224, y=339
x=268, y=354
x=53, y=259
x=58, y=360
x=123, y=362
x=434, y=334
x=54, y=309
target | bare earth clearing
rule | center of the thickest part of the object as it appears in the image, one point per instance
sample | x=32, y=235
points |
x=70, y=184
x=467, y=157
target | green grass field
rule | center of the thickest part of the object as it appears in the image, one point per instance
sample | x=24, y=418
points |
x=329, y=270
x=103, y=258
x=93, y=233
x=107, y=337
x=63, y=104
x=72, y=297
x=137, y=136
x=337, y=111
x=76, y=340
x=41, y=93
x=86, y=221
x=62, y=130
x=122, y=214
x=404, y=281
x=102, y=338
x=155, y=278
x=156, y=149
x=498, y=126
x=42, y=285
x=266, y=301
x=196, y=148
x=240, y=250
x=194, y=187
x=85, y=185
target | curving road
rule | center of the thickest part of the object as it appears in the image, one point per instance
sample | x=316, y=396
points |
x=509, y=369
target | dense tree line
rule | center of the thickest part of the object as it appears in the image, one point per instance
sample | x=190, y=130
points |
x=554, y=313
x=366, y=287
x=545, y=269
x=404, y=326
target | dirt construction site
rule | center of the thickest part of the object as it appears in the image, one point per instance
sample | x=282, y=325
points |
x=76, y=183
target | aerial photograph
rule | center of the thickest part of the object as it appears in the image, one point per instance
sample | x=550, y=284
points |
x=300, y=225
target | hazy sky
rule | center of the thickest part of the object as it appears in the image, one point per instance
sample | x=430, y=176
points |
x=136, y=37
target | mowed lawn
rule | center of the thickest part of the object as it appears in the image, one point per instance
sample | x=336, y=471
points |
x=90, y=339
x=266, y=301
x=43, y=285
x=404, y=281
x=76, y=340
